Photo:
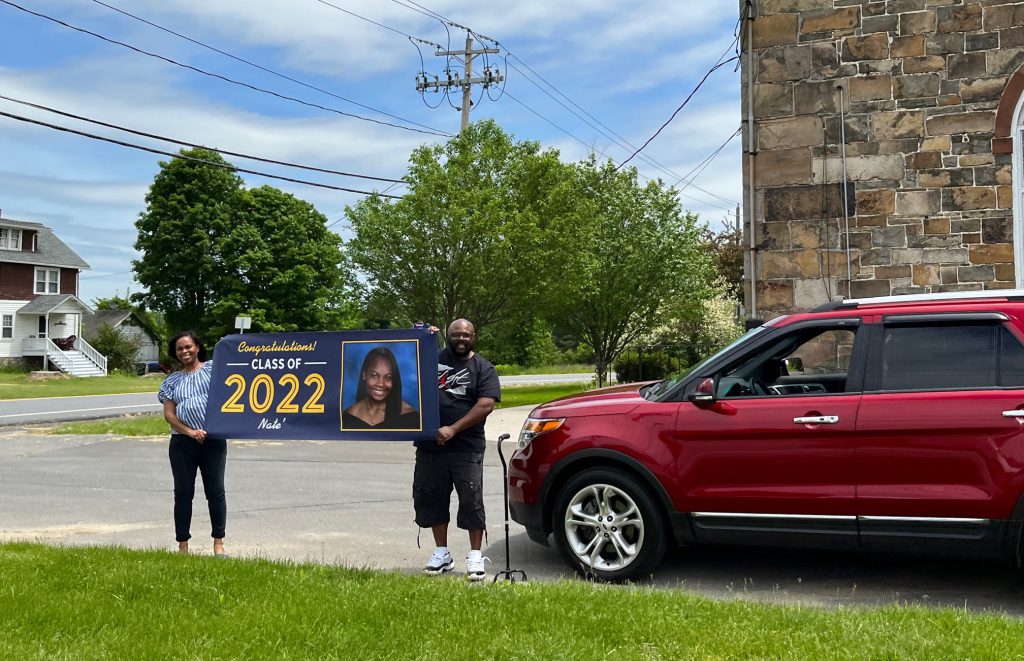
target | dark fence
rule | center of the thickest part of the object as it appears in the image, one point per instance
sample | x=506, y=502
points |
x=651, y=362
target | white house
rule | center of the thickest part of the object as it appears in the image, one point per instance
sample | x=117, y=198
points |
x=129, y=323
x=40, y=313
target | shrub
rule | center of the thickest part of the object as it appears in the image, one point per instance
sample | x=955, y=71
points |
x=119, y=348
x=644, y=367
x=505, y=368
x=581, y=355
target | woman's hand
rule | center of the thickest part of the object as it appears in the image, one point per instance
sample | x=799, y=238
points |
x=198, y=435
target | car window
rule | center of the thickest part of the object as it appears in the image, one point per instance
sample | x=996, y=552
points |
x=949, y=356
x=807, y=361
x=1011, y=360
x=663, y=389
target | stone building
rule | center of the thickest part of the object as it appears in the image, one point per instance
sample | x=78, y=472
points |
x=911, y=112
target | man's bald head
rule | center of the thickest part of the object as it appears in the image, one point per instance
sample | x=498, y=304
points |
x=461, y=338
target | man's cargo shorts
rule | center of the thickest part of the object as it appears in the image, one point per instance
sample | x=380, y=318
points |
x=436, y=474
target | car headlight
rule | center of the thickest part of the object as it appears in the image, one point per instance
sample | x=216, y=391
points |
x=534, y=427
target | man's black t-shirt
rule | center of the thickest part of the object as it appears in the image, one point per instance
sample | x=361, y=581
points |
x=460, y=384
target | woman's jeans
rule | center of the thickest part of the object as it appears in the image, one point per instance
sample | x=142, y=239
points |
x=209, y=457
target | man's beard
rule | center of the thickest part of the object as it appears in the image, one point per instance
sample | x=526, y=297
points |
x=460, y=348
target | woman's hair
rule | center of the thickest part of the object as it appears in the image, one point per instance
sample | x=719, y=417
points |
x=393, y=407
x=172, y=346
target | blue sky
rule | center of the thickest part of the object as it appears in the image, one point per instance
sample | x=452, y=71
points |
x=626, y=65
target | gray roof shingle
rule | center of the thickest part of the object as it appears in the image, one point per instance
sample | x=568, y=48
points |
x=44, y=303
x=50, y=251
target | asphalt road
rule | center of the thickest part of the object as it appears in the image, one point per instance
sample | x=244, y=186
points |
x=62, y=409
x=350, y=503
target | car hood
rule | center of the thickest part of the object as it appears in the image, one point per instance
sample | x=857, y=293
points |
x=603, y=401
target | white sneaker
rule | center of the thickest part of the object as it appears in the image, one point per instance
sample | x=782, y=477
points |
x=440, y=562
x=475, y=570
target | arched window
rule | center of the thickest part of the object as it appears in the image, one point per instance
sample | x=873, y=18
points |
x=1009, y=139
x=1017, y=135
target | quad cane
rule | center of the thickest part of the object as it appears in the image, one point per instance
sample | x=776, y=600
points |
x=509, y=573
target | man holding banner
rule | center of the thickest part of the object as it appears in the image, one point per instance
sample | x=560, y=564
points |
x=468, y=389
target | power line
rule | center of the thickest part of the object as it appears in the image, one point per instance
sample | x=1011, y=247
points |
x=219, y=76
x=591, y=148
x=620, y=141
x=695, y=172
x=108, y=275
x=192, y=144
x=617, y=139
x=386, y=27
x=720, y=64
x=224, y=166
x=260, y=67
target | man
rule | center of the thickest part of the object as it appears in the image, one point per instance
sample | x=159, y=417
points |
x=467, y=391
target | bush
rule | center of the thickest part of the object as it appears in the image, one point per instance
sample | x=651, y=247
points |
x=581, y=355
x=119, y=348
x=505, y=368
x=629, y=368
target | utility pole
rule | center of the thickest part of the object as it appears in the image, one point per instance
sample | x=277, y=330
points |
x=490, y=77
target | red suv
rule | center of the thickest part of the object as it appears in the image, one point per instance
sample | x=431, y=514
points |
x=878, y=424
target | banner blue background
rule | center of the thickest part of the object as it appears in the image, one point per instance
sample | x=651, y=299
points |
x=289, y=385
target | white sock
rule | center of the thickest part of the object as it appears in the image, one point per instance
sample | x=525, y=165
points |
x=441, y=550
x=473, y=555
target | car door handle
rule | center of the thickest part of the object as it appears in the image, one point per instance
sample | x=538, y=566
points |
x=817, y=420
x=1016, y=413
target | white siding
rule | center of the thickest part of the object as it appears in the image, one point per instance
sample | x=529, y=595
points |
x=24, y=325
x=148, y=350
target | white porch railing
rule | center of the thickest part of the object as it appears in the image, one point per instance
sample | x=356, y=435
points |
x=91, y=353
x=44, y=346
x=57, y=357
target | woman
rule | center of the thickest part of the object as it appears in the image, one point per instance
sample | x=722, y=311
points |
x=379, y=396
x=184, y=394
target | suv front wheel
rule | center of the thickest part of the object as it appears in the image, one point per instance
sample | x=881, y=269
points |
x=608, y=526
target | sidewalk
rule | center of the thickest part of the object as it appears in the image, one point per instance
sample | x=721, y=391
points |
x=507, y=421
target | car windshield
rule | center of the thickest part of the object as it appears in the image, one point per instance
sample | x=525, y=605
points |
x=662, y=387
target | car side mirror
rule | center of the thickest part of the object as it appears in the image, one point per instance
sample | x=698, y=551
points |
x=704, y=393
x=794, y=365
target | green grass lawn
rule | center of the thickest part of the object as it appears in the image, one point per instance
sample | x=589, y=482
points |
x=17, y=386
x=155, y=425
x=92, y=603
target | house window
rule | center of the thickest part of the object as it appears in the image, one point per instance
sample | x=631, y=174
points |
x=47, y=281
x=8, y=326
x=10, y=238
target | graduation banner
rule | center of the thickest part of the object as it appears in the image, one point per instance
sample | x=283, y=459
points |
x=345, y=385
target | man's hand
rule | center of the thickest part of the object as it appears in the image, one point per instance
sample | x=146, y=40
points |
x=198, y=435
x=444, y=434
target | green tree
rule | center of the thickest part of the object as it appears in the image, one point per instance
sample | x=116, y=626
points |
x=212, y=250
x=522, y=339
x=119, y=348
x=180, y=235
x=726, y=248
x=634, y=251
x=477, y=234
x=286, y=271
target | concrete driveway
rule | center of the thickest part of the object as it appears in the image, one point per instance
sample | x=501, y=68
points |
x=350, y=503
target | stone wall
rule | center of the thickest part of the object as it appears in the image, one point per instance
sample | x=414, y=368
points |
x=928, y=200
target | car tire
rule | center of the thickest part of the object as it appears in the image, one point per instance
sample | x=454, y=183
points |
x=608, y=526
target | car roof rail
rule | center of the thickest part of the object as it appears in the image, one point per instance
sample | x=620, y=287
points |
x=841, y=304
x=837, y=304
